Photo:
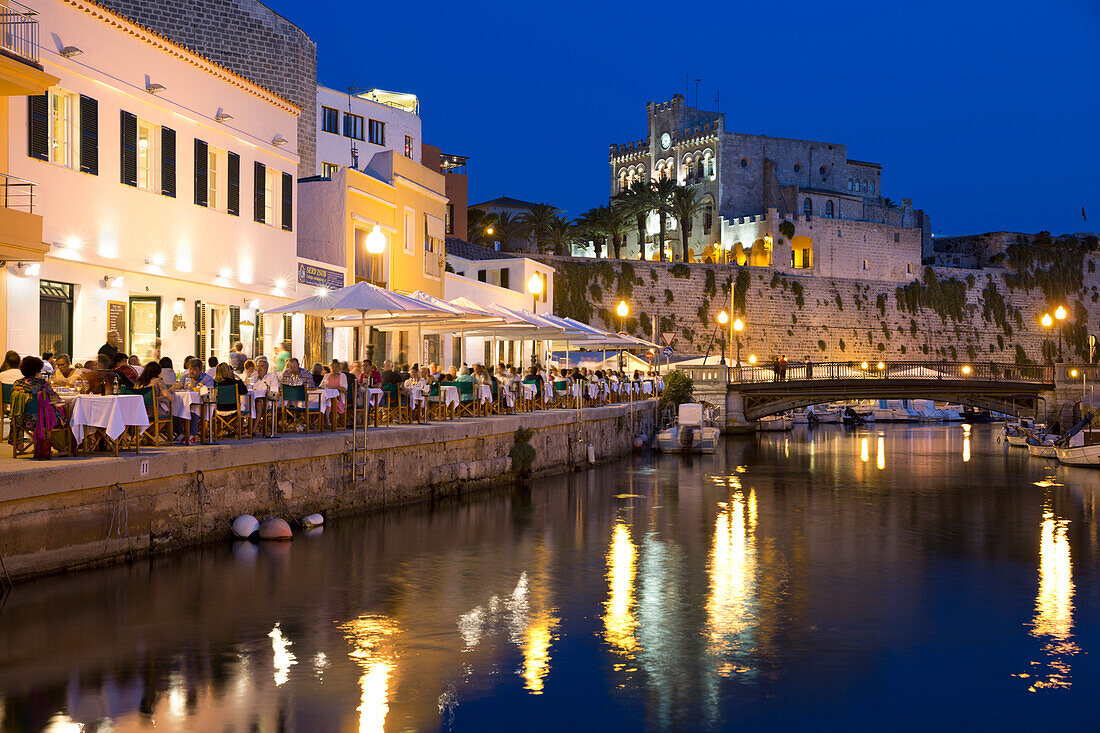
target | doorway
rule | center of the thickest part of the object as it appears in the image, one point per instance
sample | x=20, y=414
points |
x=55, y=317
x=144, y=333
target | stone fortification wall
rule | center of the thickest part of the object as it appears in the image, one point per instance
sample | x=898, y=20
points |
x=944, y=313
x=248, y=38
x=68, y=513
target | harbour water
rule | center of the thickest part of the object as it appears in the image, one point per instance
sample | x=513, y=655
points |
x=904, y=577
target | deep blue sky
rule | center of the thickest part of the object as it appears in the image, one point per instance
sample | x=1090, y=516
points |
x=985, y=114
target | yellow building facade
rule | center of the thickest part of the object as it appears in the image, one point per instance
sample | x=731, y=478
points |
x=337, y=214
x=21, y=244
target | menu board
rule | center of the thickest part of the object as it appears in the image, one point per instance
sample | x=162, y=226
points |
x=116, y=318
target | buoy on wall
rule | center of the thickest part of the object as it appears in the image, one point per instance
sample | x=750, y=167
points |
x=274, y=528
x=245, y=526
x=313, y=520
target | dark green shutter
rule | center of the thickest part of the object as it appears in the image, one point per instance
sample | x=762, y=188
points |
x=38, y=126
x=288, y=331
x=201, y=161
x=89, y=135
x=288, y=202
x=259, y=182
x=128, y=148
x=258, y=336
x=234, y=324
x=200, y=330
x=233, y=205
x=168, y=161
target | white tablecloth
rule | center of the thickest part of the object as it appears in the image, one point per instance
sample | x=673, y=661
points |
x=483, y=393
x=374, y=396
x=448, y=395
x=416, y=397
x=114, y=413
x=185, y=403
x=324, y=395
x=529, y=391
x=647, y=387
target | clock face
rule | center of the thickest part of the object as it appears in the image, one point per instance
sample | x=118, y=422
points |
x=666, y=140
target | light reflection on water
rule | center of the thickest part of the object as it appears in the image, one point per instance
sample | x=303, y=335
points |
x=783, y=582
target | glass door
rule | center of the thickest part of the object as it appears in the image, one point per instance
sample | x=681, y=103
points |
x=145, y=329
x=55, y=313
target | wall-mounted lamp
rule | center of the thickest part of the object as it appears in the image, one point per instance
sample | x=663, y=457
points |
x=154, y=88
x=222, y=116
x=28, y=269
x=279, y=140
x=70, y=51
x=113, y=282
x=155, y=261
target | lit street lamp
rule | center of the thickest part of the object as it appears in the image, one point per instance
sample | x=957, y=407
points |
x=376, y=245
x=622, y=310
x=1060, y=314
x=534, y=287
x=723, y=319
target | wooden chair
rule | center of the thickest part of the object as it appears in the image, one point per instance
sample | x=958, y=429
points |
x=5, y=406
x=228, y=418
x=467, y=405
x=437, y=409
x=561, y=394
x=536, y=402
x=295, y=411
x=393, y=405
x=160, y=426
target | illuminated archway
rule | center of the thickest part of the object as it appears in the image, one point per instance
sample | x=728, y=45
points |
x=802, y=252
x=761, y=254
x=739, y=255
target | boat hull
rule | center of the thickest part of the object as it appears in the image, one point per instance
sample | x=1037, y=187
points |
x=774, y=424
x=1082, y=455
x=1042, y=451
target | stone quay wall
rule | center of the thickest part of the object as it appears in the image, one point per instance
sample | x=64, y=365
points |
x=940, y=313
x=71, y=513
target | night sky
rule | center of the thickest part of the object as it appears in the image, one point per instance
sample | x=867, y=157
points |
x=985, y=114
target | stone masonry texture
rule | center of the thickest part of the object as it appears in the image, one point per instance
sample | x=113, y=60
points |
x=248, y=38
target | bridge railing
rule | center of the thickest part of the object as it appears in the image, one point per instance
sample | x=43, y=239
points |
x=893, y=370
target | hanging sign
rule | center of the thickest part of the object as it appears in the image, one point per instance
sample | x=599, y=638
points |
x=320, y=277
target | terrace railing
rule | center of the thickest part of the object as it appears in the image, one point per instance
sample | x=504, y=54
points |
x=16, y=193
x=893, y=370
x=18, y=30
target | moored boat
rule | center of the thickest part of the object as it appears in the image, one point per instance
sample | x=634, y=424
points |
x=692, y=433
x=774, y=423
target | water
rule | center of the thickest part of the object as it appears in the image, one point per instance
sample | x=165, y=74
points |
x=902, y=577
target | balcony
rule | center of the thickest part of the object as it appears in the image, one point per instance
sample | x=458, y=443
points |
x=20, y=227
x=18, y=32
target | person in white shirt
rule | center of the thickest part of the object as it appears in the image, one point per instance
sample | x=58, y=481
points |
x=265, y=378
x=414, y=381
x=10, y=373
x=212, y=362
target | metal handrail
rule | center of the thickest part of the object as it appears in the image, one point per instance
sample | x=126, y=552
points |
x=18, y=30
x=894, y=370
x=16, y=193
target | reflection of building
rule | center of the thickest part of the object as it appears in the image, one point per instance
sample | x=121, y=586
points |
x=748, y=185
x=167, y=191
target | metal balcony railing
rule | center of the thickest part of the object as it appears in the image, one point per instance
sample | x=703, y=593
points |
x=18, y=30
x=16, y=193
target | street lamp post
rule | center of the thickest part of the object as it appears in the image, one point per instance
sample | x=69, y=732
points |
x=723, y=319
x=738, y=327
x=1047, y=322
x=376, y=245
x=534, y=287
x=1060, y=314
x=622, y=310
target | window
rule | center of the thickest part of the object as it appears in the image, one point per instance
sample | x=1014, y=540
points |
x=865, y=264
x=708, y=218
x=482, y=275
x=808, y=208
x=145, y=328
x=213, y=170
x=377, y=132
x=410, y=231
x=146, y=155
x=744, y=162
x=797, y=167
x=449, y=224
x=850, y=184
x=270, y=183
x=871, y=185
x=330, y=120
x=505, y=278
x=63, y=129
x=328, y=170
x=353, y=126
x=408, y=146
x=897, y=236
x=828, y=209
x=55, y=317
x=908, y=268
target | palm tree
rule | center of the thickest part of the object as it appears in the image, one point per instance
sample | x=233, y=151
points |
x=685, y=205
x=591, y=226
x=618, y=224
x=536, y=223
x=560, y=234
x=478, y=223
x=507, y=230
x=637, y=201
x=663, y=188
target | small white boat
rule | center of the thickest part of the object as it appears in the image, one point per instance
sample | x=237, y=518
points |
x=800, y=417
x=774, y=423
x=1074, y=450
x=1042, y=450
x=692, y=433
x=829, y=416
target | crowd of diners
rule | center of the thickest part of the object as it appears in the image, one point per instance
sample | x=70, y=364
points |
x=112, y=371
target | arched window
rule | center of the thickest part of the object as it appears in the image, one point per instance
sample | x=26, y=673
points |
x=708, y=218
x=708, y=165
x=828, y=209
x=808, y=207
x=863, y=186
x=850, y=184
x=872, y=186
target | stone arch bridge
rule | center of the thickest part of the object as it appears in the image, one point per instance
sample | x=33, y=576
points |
x=747, y=393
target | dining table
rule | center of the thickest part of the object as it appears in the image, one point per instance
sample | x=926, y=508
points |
x=97, y=419
x=449, y=398
x=483, y=395
x=326, y=398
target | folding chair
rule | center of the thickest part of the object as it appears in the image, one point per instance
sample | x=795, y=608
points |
x=393, y=405
x=534, y=403
x=228, y=418
x=295, y=412
x=561, y=394
x=5, y=406
x=466, y=403
x=160, y=426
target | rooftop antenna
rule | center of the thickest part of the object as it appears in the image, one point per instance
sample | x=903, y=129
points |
x=685, y=85
x=353, y=89
x=697, y=92
x=717, y=97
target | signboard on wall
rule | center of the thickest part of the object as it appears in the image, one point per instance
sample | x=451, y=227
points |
x=320, y=277
x=116, y=318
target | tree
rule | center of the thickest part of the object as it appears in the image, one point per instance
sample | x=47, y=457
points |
x=663, y=188
x=685, y=204
x=536, y=223
x=638, y=201
x=591, y=226
x=618, y=224
x=478, y=223
x=507, y=230
x=561, y=234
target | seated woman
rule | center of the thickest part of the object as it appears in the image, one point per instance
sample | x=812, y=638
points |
x=248, y=374
x=9, y=372
x=167, y=372
x=224, y=377
x=163, y=397
x=335, y=379
x=32, y=387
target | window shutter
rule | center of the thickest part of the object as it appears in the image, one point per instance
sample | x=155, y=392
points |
x=258, y=336
x=200, y=172
x=234, y=324
x=288, y=202
x=259, y=183
x=128, y=149
x=38, y=126
x=234, y=194
x=168, y=161
x=89, y=135
x=288, y=331
x=200, y=330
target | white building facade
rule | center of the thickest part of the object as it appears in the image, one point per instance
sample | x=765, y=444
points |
x=352, y=128
x=167, y=185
